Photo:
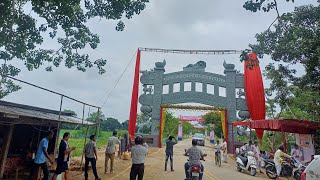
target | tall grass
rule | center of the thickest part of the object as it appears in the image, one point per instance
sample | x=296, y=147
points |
x=78, y=139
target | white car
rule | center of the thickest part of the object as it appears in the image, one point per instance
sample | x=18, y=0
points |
x=200, y=138
x=312, y=171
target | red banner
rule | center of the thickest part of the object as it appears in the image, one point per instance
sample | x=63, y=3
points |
x=254, y=90
x=134, y=99
x=191, y=118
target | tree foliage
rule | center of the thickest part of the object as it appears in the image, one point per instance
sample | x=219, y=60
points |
x=26, y=24
x=172, y=124
x=214, y=118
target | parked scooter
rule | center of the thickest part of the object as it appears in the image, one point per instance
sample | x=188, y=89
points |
x=246, y=162
x=195, y=170
x=286, y=170
x=298, y=172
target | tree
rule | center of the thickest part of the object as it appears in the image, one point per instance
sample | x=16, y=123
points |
x=171, y=124
x=25, y=24
x=70, y=126
x=213, y=118
x=111, y=124
x=125, y=125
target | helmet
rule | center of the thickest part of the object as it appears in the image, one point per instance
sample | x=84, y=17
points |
x=194, y=142
x=281, y=147
x=138, y=140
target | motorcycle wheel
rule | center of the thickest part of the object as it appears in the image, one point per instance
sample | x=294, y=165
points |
x=195, y=178
x=253, y=171
x=271, y=172
x=238, y=167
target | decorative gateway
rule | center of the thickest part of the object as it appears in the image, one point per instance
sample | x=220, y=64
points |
x=152, y=99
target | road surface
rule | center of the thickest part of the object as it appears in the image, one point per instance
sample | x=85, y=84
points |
x=154, y=166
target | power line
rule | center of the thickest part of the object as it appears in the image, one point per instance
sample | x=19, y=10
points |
x=181, y=51
x=117, y=81
x=25, y=82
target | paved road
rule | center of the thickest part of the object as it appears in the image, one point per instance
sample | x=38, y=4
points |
x=155, y=166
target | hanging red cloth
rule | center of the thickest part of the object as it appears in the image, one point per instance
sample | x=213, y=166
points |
x=254, y=90
x=134, y=99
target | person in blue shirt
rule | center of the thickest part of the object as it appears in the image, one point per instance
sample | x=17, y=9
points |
x=41, y=157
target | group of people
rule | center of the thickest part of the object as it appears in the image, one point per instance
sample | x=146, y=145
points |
x=253, y=147
x=222, y=147
x=42, y=155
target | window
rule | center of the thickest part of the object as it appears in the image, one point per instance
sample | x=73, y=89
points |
x=187, y=86
x=198, y=87
x=222, y=91
x=176, y=87
x=210, y=88
x=165, y=89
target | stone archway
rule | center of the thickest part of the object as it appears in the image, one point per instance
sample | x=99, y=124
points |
x=156, y=79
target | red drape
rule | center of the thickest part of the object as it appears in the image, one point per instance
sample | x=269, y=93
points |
x=160, y=129
x=254, y=90
x=134, y=99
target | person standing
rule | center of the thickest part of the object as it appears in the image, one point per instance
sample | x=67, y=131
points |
x=41, y=157
x=224, y=151
x=169, y=151
x=110, y=152
x=91, y=156
x=138, y=155
x=63, y=157
x=278, y=159
x=296, y=153
x=257, y=155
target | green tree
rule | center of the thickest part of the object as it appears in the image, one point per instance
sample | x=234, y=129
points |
x=111, y=124
x=25, y=24
x=70, y=126
x=213, y=118
x=171, y=124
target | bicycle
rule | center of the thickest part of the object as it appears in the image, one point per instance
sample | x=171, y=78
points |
x=218, y=158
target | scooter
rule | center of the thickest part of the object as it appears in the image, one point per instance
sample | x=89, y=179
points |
x=195, y=170
x=286, y=170
x=246, y=162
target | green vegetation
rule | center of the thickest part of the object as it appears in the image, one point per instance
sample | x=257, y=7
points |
x=213, y=118
x=26, y=24
x=77, y=139
x=171, y=126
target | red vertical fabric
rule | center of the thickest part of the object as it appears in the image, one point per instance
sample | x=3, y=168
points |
x=160, y=129
x=226, y=124
x=134, y=98
x=254, y=90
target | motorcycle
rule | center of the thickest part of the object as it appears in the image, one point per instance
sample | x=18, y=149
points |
x=298, y=172
x=194, y=170
x=286, y=170
x=246, y=162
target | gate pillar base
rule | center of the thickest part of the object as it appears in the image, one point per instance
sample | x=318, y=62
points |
x=152, y=140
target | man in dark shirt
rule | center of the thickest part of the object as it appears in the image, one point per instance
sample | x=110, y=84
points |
x=63, y=157
x=169, y=151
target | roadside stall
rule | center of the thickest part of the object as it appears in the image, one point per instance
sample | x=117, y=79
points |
x=21, y=129
x=304, y=130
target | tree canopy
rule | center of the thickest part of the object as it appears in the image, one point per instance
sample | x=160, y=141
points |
x=214, y=118
x=25, y=24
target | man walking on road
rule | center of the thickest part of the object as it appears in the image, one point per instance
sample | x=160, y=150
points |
x=138, y=155
x=63, y=157
x=91, y=156
x=110, y=152
x=169, y=151
x=41, y=155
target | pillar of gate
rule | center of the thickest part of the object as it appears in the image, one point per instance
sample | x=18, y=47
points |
x=157, y=98
x=230, y=73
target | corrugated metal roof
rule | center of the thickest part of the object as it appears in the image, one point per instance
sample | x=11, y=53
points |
x=40, y=113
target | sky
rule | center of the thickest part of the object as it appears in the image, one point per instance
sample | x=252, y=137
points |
x=178, y=24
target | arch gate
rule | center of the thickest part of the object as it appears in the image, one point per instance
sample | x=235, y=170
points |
x=154, y=81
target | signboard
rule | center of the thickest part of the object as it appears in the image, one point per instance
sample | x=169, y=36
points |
x=180, y=132
x=212, y=137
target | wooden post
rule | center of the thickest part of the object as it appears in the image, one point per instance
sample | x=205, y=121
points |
x=98, y=123
x=85, y=138
x=6, y=150
x=58, y=129
x=284, y=141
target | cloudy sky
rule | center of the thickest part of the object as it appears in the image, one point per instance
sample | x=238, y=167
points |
x=179, y=24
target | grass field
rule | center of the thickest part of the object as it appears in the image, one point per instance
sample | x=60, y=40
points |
x=77, y=140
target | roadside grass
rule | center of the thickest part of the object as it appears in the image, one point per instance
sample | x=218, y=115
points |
x=78, y=139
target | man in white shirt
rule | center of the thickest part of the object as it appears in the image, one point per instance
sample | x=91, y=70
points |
x=257, y=155
x=138, y=155
x=296, y=153
x=110, y=151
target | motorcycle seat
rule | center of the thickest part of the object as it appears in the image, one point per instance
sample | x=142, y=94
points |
x=244, y=160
